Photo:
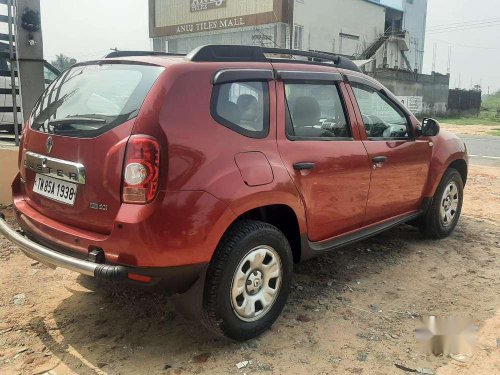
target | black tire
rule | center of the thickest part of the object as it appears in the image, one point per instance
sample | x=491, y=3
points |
x=432, y=225
x=218, y=313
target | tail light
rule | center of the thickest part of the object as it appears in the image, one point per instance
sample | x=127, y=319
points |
x=141, y=170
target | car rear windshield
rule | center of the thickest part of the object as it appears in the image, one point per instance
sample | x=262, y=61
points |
x=88, y=100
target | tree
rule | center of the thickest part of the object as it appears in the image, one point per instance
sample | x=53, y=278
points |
x=63, y=62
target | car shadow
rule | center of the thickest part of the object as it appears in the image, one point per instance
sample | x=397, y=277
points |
x=119, y=327
x=109, y=324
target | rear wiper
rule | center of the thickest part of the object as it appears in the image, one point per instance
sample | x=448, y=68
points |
x=75, y=120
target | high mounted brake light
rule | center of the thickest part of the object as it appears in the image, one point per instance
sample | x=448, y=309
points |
x=141, y=170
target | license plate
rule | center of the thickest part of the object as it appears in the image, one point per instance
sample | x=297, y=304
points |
x=55, y=189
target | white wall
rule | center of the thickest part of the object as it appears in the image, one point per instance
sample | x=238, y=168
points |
x=325, y=20
x=8, y=161
x=346, y=27
x=414, y=22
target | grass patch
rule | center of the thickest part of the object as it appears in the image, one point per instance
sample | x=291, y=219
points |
x=480, y=120
x=495, y=132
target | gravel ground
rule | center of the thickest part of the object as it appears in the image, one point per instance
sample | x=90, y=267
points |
x=353, y=311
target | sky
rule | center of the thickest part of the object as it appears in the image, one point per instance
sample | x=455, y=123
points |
x=475, y=48
x=87, y=29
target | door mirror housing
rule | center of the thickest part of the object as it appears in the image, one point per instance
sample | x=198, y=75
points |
x=430, y=127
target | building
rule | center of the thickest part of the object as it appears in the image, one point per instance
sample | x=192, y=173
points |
x=384, y=33
x=386, y=36
x=182, y=25
x=423, y=94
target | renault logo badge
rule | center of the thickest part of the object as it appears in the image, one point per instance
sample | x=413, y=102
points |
x=49, y=144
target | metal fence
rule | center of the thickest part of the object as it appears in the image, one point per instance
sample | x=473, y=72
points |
x=461, y=102
x=9, y=108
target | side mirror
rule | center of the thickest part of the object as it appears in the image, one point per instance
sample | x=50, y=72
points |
x=430, y=127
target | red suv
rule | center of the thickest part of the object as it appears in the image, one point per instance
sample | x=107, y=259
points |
x=214, y=172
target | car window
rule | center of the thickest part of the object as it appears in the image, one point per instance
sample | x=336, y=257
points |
x=382, y=119
x=315, y=111
x=242, y=107
x=88, y=100
x=48, y=75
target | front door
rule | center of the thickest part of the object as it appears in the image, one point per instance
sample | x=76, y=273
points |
x=323, y=154
x=400, y=163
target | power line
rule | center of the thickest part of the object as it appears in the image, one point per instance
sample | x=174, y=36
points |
x=463, y=45
x=462, y=28
x=463, y=23
x=465, y=27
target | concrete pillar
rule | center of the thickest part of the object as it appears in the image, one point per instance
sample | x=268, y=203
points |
x=29, y=47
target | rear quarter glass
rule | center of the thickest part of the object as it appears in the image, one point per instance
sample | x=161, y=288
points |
x=88, y=100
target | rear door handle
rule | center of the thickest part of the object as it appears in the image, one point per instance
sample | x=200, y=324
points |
x=303, y=166
x=379, y=159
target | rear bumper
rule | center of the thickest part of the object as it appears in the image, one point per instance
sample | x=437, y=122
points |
x=177, y=230
x=177, y=279
x=56, y=259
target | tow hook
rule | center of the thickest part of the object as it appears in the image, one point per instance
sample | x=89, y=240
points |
x=96, y=255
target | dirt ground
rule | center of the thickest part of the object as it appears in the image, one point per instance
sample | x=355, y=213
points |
x=471, y=129
x=353, y=311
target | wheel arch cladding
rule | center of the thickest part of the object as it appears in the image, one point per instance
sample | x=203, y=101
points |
x=282, y=217
x=461, y=166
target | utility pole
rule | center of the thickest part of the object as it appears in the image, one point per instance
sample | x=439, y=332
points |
x=434, y=58
x=416, y=54
x=449, y=60
x=290, y=20
x=29, y=47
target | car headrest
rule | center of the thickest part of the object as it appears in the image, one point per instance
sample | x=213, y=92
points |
x=229, y=111
x=306, y=111
x=245, y=101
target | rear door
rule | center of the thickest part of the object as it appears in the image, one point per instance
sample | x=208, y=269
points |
x=400, y=163
x=320, y=147
x=74, y=149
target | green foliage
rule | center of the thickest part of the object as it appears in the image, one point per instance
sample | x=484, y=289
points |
x=491, y=103
x=63, y=62
x=463, y=120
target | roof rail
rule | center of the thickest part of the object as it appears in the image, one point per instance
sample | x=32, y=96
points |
x=139, y=53
x=225, y=53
